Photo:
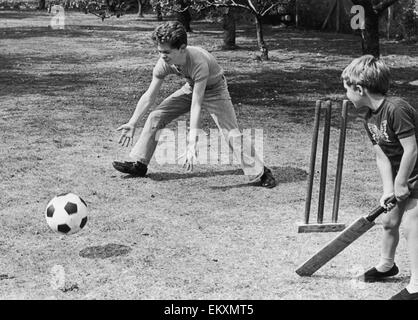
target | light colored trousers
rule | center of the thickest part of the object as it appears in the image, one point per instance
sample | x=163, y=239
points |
x=217, y=102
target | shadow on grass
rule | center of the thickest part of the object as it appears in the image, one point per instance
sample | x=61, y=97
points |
x=292, y=39
x=293, y=93
x=279, y=93
x=282, y=175
x=70, y=31
x=166, y=176
x=112, y=28
x=106, y=251
x=39, y=32
x=21, y=84
x=17, y=15
x=288, y=39
x=350, y=277
x=250, y=86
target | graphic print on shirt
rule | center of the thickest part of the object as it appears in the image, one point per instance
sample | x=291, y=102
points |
x=379, y=135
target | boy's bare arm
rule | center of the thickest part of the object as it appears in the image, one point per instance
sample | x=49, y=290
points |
x=406, y=166
x=195, y=110
x=146, y=100
x=144, y=103
x=385, y=170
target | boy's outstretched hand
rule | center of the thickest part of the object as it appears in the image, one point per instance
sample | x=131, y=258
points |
x=190, y=158
x=127, y=136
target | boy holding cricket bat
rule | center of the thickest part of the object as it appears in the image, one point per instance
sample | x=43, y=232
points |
x=392, y=126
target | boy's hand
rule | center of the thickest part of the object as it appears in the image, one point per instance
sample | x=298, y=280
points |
x=383, y=200
x=127, y=136
x=190, y=158
x=401, y=190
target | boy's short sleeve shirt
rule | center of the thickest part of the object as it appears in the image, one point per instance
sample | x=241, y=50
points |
x=200, y=65
x=394, y=120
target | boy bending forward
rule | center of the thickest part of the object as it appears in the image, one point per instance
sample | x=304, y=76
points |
x=205, y=88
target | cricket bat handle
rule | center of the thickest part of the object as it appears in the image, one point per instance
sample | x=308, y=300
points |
x=379, y=209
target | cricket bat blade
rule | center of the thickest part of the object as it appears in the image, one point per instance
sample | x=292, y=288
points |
x=334, y=247
x=346, y=237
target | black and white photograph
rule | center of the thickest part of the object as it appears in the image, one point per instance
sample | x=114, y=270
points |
x=231, y=152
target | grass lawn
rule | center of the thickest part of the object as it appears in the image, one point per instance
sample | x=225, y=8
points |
x=175, y=235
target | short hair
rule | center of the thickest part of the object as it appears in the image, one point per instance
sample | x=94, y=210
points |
x=172, y=33
x=369, y=72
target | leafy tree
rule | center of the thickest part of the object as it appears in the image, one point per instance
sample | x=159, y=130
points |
x=408, y=25
x=258, y=8
x=158, y=11
x=105, y=9
x=181, y=8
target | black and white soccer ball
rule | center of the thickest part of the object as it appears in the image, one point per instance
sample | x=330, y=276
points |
x=66, y=213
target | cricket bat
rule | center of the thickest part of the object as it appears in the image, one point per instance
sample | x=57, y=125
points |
x=342, y=241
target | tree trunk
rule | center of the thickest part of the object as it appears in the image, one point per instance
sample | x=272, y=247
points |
x=159, y=13
x=229, y=27
x=184, y=18
x=389, y=21
x=296, y=14
x=41, y=5
x=260, y=39
x=370, y=34
x=140, y=8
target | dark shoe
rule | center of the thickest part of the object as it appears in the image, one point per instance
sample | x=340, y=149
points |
x=267, y=180
x=372, y=275
x=137, y=169
x=405, y=295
